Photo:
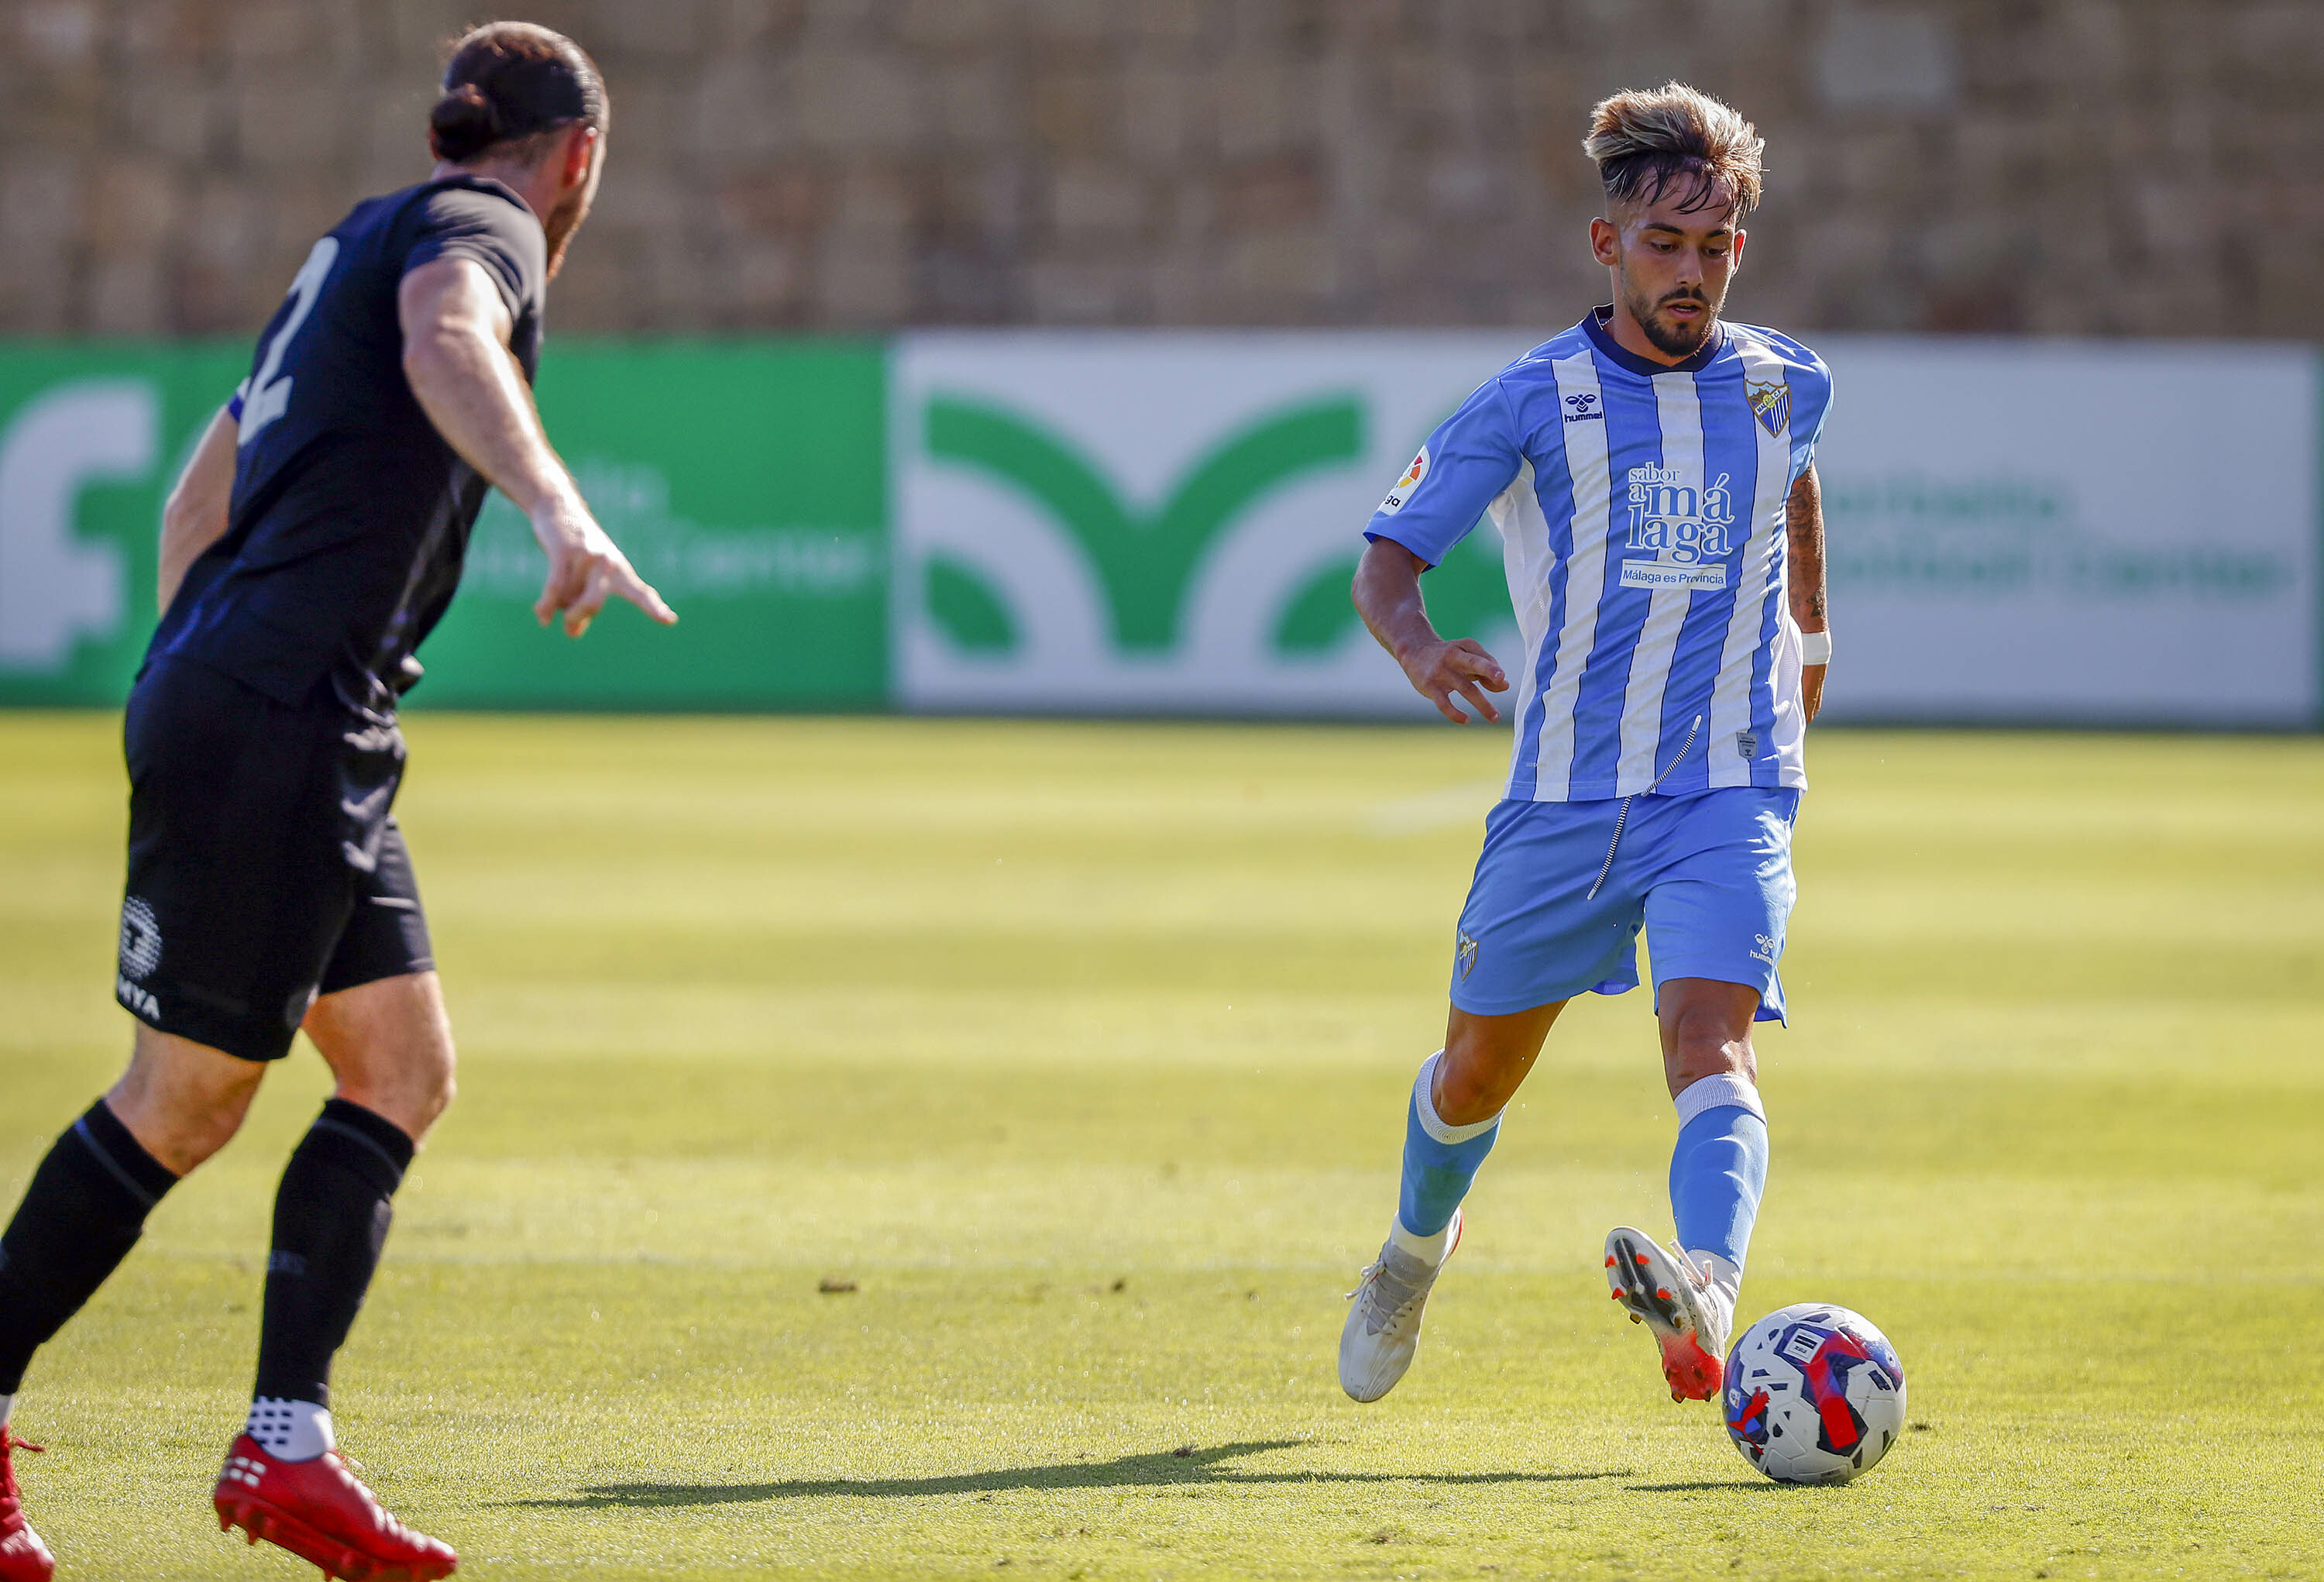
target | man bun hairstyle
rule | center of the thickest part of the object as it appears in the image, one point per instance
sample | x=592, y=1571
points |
x=1648, y=141
x=512, y=82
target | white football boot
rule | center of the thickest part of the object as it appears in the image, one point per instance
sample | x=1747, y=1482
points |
x=1665, y=1290
x=1383, y=1326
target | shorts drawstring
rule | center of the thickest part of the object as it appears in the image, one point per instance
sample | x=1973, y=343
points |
x=1623, y=817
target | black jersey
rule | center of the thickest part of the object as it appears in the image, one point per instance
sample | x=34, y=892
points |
x=350, y=516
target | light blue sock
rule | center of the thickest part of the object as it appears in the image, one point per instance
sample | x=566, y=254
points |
x=1719, y=1167
x=1440, y=1161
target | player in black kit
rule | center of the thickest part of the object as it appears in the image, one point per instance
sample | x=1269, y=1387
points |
x=314, y=539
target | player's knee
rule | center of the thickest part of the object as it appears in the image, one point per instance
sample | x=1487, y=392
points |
x=1474, y=1083
x=213, y=1131
x=444, y=1088
x=186, y=1135
x=1702, y=1047
x=425, y=1092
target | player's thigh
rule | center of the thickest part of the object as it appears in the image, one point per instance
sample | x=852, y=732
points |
x=389, y=1044
x=241, y=856
x=181, y=1100
x=1547, y=917
x=1720, y=894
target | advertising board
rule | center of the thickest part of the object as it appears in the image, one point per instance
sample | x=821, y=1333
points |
x=2030, y=532
x=1166, y=523
x=1160, y=523
x=747, y=481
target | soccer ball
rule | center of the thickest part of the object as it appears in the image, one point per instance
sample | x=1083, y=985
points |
x=1814, y=1394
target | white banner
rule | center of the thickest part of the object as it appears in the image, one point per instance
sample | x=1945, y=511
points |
x=2055, y=531
x=2020, y=531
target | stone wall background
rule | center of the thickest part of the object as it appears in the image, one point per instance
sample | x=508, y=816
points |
x=2105, y=167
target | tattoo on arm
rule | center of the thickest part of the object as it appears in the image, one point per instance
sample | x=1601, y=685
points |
x=1804, y=526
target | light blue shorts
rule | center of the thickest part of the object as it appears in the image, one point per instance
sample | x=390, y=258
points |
x=1708, y=876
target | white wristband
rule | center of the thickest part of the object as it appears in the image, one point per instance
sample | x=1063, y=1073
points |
x=1815, y=648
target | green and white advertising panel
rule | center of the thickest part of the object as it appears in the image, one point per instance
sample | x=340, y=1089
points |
x=1152, y=523
x=748, y=482
x=1164, y=522
x=89, y=441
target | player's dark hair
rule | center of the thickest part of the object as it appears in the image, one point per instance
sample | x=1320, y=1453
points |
x=1648, y=141
x=510, y=81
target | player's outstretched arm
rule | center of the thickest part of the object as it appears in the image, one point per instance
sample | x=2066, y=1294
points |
x=1804, y=526
x=1386, y=592
x=456, y=336
x=194, y=517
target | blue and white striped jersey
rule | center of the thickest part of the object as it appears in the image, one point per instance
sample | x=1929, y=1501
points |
x=1641, y=513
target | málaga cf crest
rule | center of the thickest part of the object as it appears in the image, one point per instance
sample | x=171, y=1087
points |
x=1771, y=404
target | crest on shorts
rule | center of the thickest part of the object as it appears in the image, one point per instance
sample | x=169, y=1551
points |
x=1771, y=404
x=141, y=939
x=1464, y=954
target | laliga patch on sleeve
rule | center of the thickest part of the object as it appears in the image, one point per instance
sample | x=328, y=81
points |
x=1407, y=484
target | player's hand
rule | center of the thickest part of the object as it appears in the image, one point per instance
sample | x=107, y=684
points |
x=585, y=568
x=1441, y=671
x=1812, y=689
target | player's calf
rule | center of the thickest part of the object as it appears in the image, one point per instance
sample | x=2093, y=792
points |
x=1686, y=1295
x=83, y=1211
x=1440, y=1159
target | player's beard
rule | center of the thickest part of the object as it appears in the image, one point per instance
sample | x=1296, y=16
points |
x=563, y=221
x=1671, y=338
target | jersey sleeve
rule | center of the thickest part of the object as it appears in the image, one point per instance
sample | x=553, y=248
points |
x=1810, y=378
x=1820, y=377
x=456, y=222
x=1468, y=461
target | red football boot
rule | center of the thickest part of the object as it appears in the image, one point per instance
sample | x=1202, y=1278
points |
x=23, y=1557
x=320, y=1511
x=1670, y=1296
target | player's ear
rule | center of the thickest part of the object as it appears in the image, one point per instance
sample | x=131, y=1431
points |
x=580, y=148
x=1605, y=242
x=1735, y=250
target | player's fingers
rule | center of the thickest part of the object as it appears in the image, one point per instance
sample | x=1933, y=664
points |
x=641, y=593
x=1472, y=660
x=1477, y=702
x=554, y=596
x=584, y=609
x=1443, y=701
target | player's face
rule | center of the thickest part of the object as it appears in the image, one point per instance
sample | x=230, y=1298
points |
x=1671, y=266
x=583, y=160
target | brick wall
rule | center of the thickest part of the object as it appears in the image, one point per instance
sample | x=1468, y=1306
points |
x=2135, y=167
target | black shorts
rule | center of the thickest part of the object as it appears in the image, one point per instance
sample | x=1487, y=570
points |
x=264, y=868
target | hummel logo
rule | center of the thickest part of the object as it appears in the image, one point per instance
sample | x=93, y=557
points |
x=1585, y=407
x=1763, y=949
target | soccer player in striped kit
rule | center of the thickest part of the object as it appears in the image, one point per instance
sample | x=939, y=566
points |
x=1652, y=474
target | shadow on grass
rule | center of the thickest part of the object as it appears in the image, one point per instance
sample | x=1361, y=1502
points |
x=1189, y=1465
x=1733, y=1485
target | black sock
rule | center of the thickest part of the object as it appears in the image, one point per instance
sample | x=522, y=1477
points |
x=84, y=1210
x=331, y=1217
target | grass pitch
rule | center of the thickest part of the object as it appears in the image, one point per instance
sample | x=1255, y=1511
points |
x=1076, y=1056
